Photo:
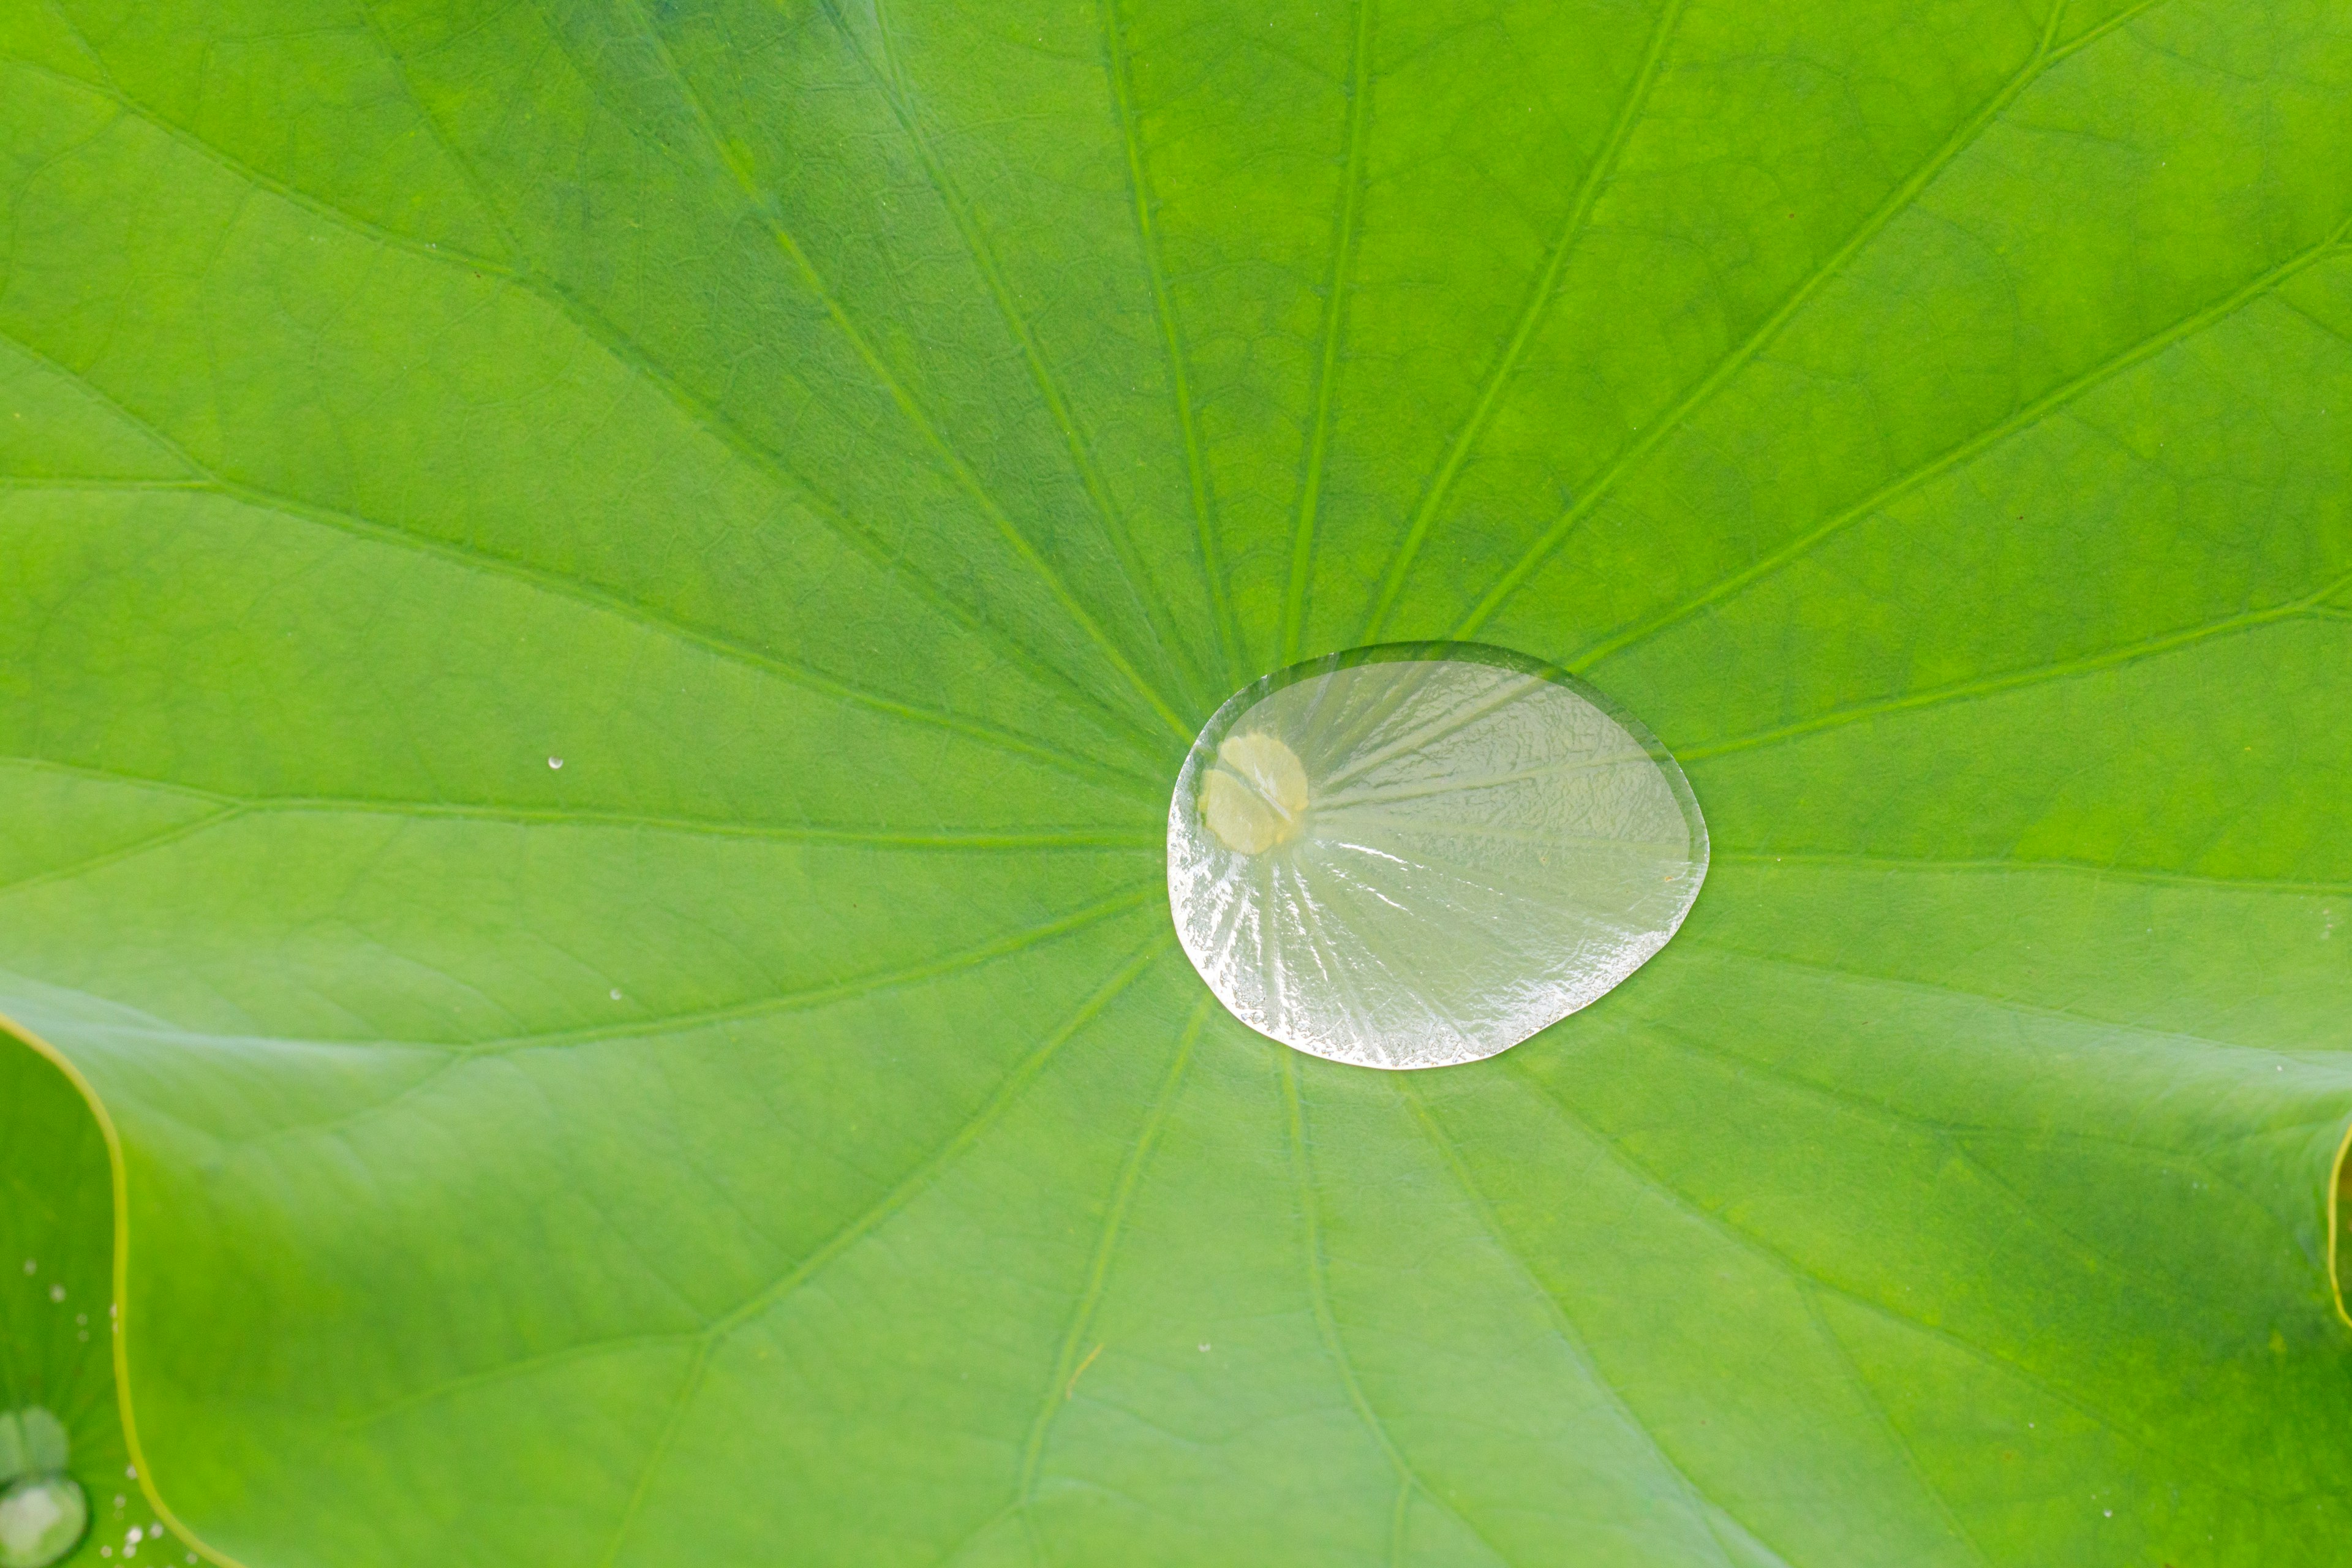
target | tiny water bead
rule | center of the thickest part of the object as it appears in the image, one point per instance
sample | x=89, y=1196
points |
x=1419, y=854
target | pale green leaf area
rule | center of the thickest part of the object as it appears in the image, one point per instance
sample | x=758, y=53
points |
x=863, y=445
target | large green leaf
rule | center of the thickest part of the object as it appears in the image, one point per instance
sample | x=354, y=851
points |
x=862, y=446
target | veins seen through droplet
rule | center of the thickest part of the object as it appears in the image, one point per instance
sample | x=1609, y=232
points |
x=1419, y=854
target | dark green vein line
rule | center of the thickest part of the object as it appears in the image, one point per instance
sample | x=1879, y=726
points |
x=888, y=79
x=2013, y=680
x=616, y=342
x=2152, y=874
x=1531, y=316
x=81, y=40
x=440, y=134
x=1940, y=990
x=918, y=1180
x=673, y=1422
x=629, y=609
x=1955, y=1137
x=853, y=989
x=637, y=612
x=120, y=852
x=1121, y=76
x=622, y=347
x=2043, y=59
x=798, y=1001
x=1563, y=1325
x=1953, y=456
x=1409, y=1480
x=902, y=397
x=110, y=775
x=1864, y=1391
x=522, y=1366
x=592, y=323
x=129, y=108
x=874, y=546
x=945, y=838
x=834, y=1247
x=1800, y=1277
x=1130, y=1177
x=974, y=838
x=31, y=485
x=911, y=1187
x=1335, y=312
x=730, y=431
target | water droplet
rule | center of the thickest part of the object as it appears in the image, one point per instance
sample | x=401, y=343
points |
x=555, y=761
x=42, y=1519
x=32, y=1442
x=1421, y=854
x=136, y=1535
x=617, y=993
x=56, y=1292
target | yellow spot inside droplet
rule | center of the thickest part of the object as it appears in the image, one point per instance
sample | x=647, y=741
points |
x=1255, y=797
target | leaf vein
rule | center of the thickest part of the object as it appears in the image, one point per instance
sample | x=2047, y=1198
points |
x=2018, y=679
x=1122, y=90
x=1130, y=1177
x=1335, y=301
x=953, y=461
x=1596, y=179
x=1899, y=200
x=1409, y=1477
x=1964, y=451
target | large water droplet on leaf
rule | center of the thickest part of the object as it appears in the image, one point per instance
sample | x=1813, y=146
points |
x=1418, y=855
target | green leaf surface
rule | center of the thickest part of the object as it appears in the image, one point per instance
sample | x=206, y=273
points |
x=861, y=445
x=57, y=1344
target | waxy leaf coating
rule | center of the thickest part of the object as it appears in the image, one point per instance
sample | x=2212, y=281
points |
x=864, y=443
